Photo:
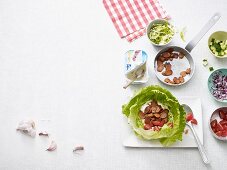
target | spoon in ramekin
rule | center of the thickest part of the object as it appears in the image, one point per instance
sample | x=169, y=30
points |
x=138, y=74
x=200, y=146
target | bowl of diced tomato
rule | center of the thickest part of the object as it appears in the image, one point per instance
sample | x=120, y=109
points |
x=218, y=123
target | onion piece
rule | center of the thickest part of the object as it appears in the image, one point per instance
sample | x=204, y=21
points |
x=219, y=89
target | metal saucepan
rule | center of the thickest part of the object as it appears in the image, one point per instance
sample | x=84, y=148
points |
x=180, y=65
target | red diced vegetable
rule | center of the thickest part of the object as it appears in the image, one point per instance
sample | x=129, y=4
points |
x=222, y=114
x=219, y=133
x=189, y=117
x=156, y=123
x=151, y=124
x=194, y=121
x=224, y=133
x=214, y=129
x=161, y=123
x=147, y=127
x=213, y=123
x=219, y=127
x=225, y=118
x=225, y=127
x=223, y=122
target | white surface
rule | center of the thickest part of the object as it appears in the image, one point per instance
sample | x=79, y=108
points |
x=130, y=139
x=63, y=60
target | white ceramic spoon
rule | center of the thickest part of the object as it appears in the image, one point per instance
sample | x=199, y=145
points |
x=200, y=146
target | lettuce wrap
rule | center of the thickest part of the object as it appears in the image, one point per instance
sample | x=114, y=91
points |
x=166, y=135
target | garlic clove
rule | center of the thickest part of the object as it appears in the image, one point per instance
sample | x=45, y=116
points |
x=52, y=146
x=27, y=127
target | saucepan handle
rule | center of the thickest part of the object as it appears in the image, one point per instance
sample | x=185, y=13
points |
x=202, y=32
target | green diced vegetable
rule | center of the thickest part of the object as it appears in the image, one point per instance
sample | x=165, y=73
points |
x=211, y=68
x=218, y=47
x=205, y=62
x=182, y=32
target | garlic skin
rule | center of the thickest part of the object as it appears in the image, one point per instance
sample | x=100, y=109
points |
x=44, y=133
x=78, y=148
x=27, y=127
x=52, y=146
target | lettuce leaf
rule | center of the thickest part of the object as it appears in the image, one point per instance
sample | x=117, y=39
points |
x=166, y=135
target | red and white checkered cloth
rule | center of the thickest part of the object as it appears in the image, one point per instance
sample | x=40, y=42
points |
x=130, y=17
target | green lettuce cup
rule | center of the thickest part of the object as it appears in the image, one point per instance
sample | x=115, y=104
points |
x=167, y=135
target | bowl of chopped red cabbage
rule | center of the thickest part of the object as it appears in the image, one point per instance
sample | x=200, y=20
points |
x=217, y=85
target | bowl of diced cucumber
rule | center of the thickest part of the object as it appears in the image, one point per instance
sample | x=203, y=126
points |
x=217, y=43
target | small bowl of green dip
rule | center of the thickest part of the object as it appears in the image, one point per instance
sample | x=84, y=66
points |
x=160, y=32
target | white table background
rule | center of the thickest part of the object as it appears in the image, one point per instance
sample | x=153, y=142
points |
x=62, y=60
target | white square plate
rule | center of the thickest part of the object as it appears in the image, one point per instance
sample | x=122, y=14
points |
x=130, y=139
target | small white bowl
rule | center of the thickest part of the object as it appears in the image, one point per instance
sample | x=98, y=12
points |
x=158, y=21
x=215, y=115
x=220, y=35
